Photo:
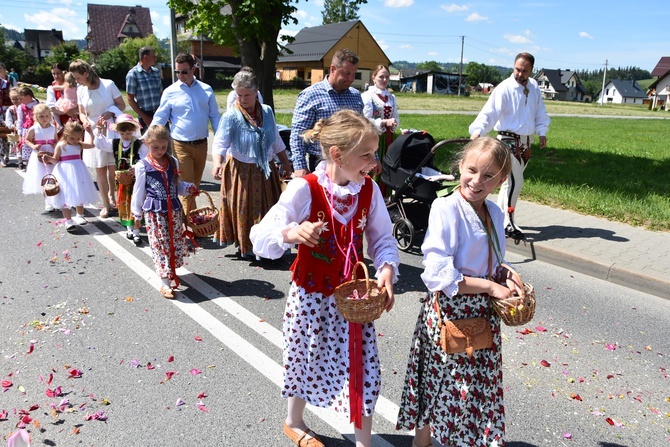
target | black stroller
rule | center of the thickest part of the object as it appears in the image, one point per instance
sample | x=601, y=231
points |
x=408, y=169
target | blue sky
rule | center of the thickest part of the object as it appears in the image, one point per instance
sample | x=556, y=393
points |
x=564, y=34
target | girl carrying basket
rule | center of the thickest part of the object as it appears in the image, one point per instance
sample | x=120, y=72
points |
x=327, y=213
x=155, y=194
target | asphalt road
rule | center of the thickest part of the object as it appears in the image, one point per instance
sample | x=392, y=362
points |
x=96, y=357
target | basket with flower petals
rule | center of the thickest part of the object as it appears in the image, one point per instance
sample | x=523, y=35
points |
x=204, y=221
x=359, y=300
x=520, y=308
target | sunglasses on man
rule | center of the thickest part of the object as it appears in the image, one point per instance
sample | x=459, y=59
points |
x=184, y=72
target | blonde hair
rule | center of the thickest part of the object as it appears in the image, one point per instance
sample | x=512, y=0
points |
x=82, y=67
x=71, y=127
x=14, y=93
x=499, y=152
x=39, y=108
x=344, y=129
x=157, y=132
x=70, y=80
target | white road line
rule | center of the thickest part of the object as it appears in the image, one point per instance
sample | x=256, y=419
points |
x=245, y=350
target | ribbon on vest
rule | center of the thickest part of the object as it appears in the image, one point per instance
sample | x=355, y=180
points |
x=52, y=141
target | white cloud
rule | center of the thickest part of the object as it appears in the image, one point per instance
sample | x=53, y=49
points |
x=585, y=34
x=383, y=45
x=432, y=53
x=398, y=3
x=301, y=14
x=58, y=18
x=454, y=8
x=405, y=46
x=475, y=17
x=519, y=38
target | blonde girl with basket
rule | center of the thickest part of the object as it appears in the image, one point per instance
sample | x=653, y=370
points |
x=327, y=213
x=456, y=397
x=156, y=196
x=41, y=138
x=76, y=185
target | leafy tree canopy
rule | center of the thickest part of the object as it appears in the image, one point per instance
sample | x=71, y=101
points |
x=480, y=73
x=336, y=11
x=251, y=27
x=429, y=65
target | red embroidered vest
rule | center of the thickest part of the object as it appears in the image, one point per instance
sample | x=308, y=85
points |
x=321, y=268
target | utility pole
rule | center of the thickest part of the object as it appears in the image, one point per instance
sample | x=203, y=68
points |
x=173, y=44
x=602, y=90
x=460, y=67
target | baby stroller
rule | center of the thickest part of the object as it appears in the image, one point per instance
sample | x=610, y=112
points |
x=408, y=169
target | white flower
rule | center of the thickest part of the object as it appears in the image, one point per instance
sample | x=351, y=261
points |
x=323, y=228
x=362, y=222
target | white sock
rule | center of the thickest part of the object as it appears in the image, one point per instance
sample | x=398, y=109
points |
x=166, y=282
x=136, y=231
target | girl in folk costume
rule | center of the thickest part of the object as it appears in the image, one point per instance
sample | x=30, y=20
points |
x=457, y=397
x=41, y=137
x=155, y=194
x=127, y=150
x=327, y=213
x=76, y=185
x=245, y=143
x=25, y=121
x=380, y=107
x=11, y=121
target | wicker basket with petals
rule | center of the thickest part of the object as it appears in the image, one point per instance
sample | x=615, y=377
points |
x=359, y=300
x=203, y=221
x=50, y=186
x=13, y=138
x=519, y=309
x=124, y=176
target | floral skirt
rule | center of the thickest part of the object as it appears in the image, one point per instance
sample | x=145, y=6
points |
x=316, y=353
x=461, y=398
x=158, y=231
x=246, y=197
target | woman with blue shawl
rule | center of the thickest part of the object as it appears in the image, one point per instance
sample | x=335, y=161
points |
x=245, y=144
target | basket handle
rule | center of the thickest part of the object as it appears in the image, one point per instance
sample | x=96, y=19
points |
x=515, y=280
x=191, y=203
x=365, y=270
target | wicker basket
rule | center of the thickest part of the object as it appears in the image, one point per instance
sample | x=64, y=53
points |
x=13, y=138
x=124, y=177
x=519, y=309
x=359, y=300
x=41, y=154
x=50, y=185
x=203, y=221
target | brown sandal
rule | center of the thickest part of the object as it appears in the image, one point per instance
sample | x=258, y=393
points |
x=167, y=293
x=301, y=440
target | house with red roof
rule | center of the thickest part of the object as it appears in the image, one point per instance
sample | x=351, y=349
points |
x=110, y=25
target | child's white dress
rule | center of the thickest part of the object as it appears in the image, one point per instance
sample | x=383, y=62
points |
x=76, y=186
x=46, y=138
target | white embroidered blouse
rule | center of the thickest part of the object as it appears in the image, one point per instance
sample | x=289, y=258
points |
x=294, y=207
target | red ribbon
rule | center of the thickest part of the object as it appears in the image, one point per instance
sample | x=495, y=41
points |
x=356, y=374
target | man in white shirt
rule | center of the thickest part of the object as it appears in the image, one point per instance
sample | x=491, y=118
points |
x=516, y=111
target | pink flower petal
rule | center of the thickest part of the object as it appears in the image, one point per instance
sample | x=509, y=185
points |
x=198, y=338
x=195, y=372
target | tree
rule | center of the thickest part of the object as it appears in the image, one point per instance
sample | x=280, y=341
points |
x=429, y=66
x=65, y=53
x=481, y=73
x=115, y=63
x=336, y=11
x=251, y=27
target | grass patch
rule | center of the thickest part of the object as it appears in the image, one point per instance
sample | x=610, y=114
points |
x=613, y=168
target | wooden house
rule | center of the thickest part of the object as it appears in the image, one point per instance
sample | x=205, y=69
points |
x=110, y=25
x=38, y=43
x=308, y=58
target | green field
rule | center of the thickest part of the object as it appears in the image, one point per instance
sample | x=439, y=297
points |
x=615, y=168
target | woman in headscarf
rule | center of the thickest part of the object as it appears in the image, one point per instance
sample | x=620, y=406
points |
x=245, y=144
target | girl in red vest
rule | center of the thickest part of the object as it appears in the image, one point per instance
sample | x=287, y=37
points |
x=326, y=214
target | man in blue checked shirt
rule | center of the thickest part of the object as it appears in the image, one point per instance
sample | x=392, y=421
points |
x=144, y=87
x=319, y=101
x=189, y=106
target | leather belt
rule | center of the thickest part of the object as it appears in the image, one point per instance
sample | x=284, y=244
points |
x=192, y=143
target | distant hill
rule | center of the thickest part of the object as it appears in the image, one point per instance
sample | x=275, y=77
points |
x=11, y=34
x=449, y=67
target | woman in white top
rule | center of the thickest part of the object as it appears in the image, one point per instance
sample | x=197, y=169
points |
x=381, y=108
x=98, y=97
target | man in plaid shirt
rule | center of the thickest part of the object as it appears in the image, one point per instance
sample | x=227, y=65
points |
x=319, y=101
x=144, y=87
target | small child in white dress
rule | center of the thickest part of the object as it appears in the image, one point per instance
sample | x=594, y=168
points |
x=41, y=137
x=76, y=185
x=68, y=99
